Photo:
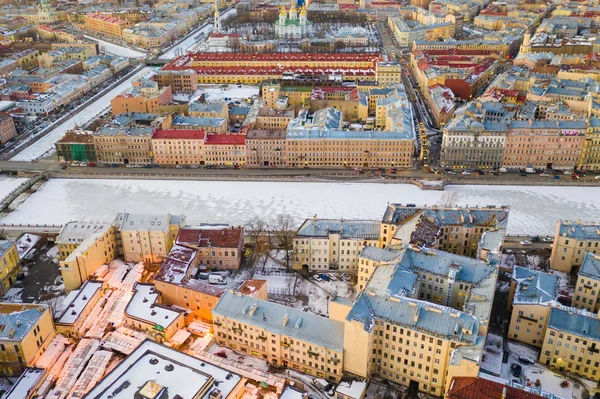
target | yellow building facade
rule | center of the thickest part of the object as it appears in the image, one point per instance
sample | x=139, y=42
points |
x=28, y=330
x=571, y=242
x=10, y=265
x=587, y=288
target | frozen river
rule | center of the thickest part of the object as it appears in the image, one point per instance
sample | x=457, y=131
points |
x=533, y=209
x=46, y=143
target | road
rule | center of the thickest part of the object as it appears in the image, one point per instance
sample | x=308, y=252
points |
x=46, y=143
x=261, y=173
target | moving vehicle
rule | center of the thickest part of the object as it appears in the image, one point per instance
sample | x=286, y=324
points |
x=320, y=383
x=503, y=170
x=525, y=242
x=529, y=170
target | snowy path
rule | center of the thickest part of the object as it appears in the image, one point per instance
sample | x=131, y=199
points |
x=47, y=142
x=533, y=209
x=190, y=41
x=116, y=49
x=7, y=184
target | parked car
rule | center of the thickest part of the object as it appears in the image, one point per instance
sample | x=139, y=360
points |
x=317, y=278
x=525, y=242
x=178, y=167
x=92, y=164
x=544, y=174
x=556, y=177
x=574, y=177
x=567, y=172
x=503, y=170
x=526, y=360
x=345, y=277
x=523, y=173
x=324, y=277
x=114, y=165
x=548, y=239
x=466, y=173
x=221, y=354
x=194, y=166
x=597, y=177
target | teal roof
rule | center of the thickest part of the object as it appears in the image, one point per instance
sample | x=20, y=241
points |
x=378, y=254
x=534, y=286
x=590, y=266
x=491, y=217
x=443, y=263
x=16, y=320
x=270, y=316
x=439, y=321
x=361, y=229
x=575, y=321
x=5, y=246
x=579, y=231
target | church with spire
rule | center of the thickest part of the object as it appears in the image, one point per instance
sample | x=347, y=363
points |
x=293, y=24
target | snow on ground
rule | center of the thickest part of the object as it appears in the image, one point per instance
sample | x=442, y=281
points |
x=46, y=143
x=238, y=202
x=214, y=93
x=13, y=295
x=7, y=184
x=492, y=356
x=115, y=49
x=548, y=382
x=536, y=262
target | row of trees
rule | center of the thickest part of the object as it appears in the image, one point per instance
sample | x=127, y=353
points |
x=279, y=234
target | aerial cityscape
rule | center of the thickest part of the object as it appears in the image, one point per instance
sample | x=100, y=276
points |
x=299, y=199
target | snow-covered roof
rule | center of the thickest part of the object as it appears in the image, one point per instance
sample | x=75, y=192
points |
x=378, y=254
x=357, y=229
x=26, y=382
x=575, y=321
x=26, y=244
x=271, y=316
x=352, y=389
x=142, y=306
x=130, y=221
x=579, y=231
x=80, y=299
x=534, y=286
x=76, y=232
x=181, y=375
x=292, y=393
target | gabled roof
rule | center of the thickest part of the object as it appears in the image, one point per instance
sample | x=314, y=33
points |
x=358, y=229
x=575, y=321
x=590, y=266
x=481, y=388
x=534, y=286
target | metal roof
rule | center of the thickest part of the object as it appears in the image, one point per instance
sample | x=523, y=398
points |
x=590, y=266
x=17, y=319
x=575, y=321
x=358, y=229
x=270, y=316
x=579, y=231
x=534, y=286
x=419, y=315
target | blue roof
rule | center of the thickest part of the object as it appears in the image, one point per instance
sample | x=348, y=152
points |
x=362, y=229
x=590, y=266
x=492, y=217
x=419, y=315
x=206, y=107
x=17, y=319
x=269, y=316
x=403, y=281
x=575, y=321
x=239, y=110
x=442, y=263
x=191, y=121
x=579, y=231
x=5, y=246
x=378, y=254
x=349, y=135
x=534, y=286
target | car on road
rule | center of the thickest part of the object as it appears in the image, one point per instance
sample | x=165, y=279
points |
x=503, y=170
x=451, y=172
x=567, y=172
x=544, y=174
x=525, y=242
x=548, y=239
x=317, y=278
x=523, y=173
x=466, y=173
x=194, y=166
x=556, y=177
x=574, y=177
x=178, y=167
x=393, y=170
x=597, y=177
x=83, y=164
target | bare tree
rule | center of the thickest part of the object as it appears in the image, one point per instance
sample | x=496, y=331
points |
x=449, y=199
x=259, y=233
x=284, y=231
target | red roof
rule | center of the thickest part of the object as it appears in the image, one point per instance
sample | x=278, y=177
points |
x=250, y=287
x=183, y=134
x=225, y=139
x=480, y=388
x=227, y=237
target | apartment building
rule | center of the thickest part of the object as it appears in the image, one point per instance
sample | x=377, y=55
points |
x=148, y=238
x=273, y=119
x=178, y=147
x=78, y=307
x=587, y=288
x=455, y=230
x=370, y=259
x=572, y=342
x=590, y=152
x=105, y=24
x=266, y=148
x=218, y=109
x=225, y=149
x=10, y=265
x=217, y=248
x=280, y=335
x=83, y=248
x=28, y=330
x=179, y=286
x=180, y=81
x=571, y=242
x=532, y=293
x=326, y=244
x=146, y=98
x=7, y=128
x=76, y=146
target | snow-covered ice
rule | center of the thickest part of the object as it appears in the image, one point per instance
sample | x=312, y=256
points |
x=46, y=143
x=7, y=184
x=533, y=209
x=215, y=93
x=115, y=49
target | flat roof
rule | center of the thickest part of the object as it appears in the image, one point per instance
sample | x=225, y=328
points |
x=143, y=306
x=80, y=301
x=26, y=382
x=167, y=368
